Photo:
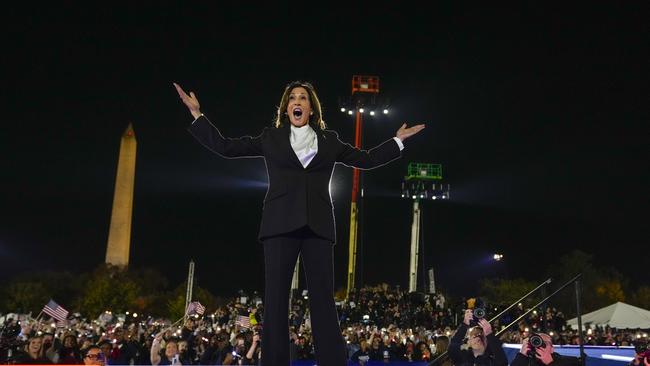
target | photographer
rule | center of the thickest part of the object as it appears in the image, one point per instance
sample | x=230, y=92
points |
x=641, y=355
x=483, y=347
x=12, y=341
x=538, y=350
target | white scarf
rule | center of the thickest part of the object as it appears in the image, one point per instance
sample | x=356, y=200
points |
x=304, y=143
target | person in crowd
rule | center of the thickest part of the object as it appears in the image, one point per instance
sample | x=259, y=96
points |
x=93, y=355
x=169, y=357
x=483, y=347
x=239, y=349
x=641, y=359
x=541, y=355
x=254, y=349
x=441, y=357
x=34, y=352
x=421, y=352
x=185, y=352
x=107, y=348
x=219, y=350
x=69, y=353
x=51, y=347
x=362, y=355
x=352, y=342
x=303, y=349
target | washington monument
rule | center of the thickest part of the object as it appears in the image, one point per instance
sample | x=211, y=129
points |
x=119, y=235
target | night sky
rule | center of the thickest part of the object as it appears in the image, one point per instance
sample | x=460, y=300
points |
x=538, y=113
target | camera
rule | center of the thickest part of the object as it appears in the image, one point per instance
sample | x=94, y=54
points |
x=478, y=310
x=535, y=341
x=478, y=313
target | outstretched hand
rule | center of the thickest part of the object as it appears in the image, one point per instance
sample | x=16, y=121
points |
x=487, y=327
x=403, y=133
x=190, y=101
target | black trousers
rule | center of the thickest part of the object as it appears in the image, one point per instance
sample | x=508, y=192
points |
x=280, y=254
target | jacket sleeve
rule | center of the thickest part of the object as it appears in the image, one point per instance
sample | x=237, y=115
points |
x=367, y=159
x=519, y=360
x=210, y=137
x=496, y=348
x=455, y=343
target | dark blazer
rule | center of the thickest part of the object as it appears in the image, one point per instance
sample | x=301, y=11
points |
x=296, y=196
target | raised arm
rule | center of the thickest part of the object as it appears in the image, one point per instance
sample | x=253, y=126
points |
x=458, y=338
x=210, y=136
x=494, y=344
x=154, y=355
x=378, y=156
x=190, y=101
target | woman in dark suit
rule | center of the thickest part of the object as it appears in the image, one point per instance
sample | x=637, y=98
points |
x=297, y=218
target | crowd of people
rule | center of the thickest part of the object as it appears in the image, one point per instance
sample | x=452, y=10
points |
x=378, y=324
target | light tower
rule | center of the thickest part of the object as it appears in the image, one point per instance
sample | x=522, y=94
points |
x=423, y=181
x=364, y=100
x=119, y=235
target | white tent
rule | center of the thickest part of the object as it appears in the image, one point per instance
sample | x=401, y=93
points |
x=618, y=315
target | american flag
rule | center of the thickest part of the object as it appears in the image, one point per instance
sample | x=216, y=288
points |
x=243, y=321
x=195, y=307
x=55, y=311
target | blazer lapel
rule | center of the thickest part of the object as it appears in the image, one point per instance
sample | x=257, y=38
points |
x=286, y=144
x=321, y=148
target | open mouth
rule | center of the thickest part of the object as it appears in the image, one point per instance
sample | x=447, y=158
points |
x=297, y=112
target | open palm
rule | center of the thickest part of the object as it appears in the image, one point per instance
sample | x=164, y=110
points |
x=403, y=133
x=190, y=101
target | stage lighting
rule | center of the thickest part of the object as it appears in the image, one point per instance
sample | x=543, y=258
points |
x=350, y=112
x=342, y=109
x=372, y=113
x=385, y=111
x=361, y=110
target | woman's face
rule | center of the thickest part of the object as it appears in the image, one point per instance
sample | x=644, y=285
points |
x=35, y=345
x=182, y=346
x=68, y=342
x=299, y=107
x=363, y=345
x=171, y=349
